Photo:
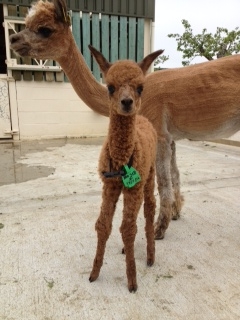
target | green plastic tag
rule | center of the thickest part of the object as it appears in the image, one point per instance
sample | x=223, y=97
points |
x=131, y=178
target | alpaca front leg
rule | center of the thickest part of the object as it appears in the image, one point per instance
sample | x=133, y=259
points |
x=164, y=181
x=103, y=232
x=149, y=213
x=132, y=202
x=178, y=201
x=129, y=230
x=110, y=195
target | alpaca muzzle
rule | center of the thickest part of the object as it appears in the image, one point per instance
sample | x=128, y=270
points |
x=127, y=105
x=19, y=45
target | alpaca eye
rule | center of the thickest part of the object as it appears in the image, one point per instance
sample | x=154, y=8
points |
x=139, y=89
x=111, y=89
x=45, y=32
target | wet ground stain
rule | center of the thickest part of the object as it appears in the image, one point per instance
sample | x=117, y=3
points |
x=11, y=152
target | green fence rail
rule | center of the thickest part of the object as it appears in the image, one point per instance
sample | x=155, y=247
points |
x=134, y=8
x=117, y=37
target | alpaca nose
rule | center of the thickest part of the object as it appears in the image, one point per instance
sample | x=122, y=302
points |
x=13, y=38
x=127, y=104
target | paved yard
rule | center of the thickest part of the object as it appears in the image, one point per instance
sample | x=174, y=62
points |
x=50, y=196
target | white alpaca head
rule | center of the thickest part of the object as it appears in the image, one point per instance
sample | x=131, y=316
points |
x=47, y=34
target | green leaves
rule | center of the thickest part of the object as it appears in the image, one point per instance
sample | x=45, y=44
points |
x=159, y=61
x=211, y=46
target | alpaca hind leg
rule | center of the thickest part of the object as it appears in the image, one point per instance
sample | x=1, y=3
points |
x=111, y=193
x=164, y=181
x=149, y=213
x=178, y=201
x=132, y=202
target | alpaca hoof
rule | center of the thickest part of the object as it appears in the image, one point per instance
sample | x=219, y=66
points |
x=176, y=215
x=92, y=277
x=159, y=234
x=175, y=211
x=150, y=262
x=177, y=207
x=132, y=288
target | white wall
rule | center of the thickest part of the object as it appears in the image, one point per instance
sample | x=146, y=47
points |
x=52, y=110
x=47, y=110
x=235, y=137
x=5, y=121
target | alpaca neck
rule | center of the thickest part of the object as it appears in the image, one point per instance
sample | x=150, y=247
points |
x=86, y=86
x=121, y=138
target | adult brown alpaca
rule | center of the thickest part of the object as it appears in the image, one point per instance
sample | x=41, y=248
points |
x=131, y=139
x=198, y=102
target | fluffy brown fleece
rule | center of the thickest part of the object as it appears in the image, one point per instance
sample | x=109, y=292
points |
x=130, y=136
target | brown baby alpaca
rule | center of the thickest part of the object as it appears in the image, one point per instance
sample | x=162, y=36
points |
x=131, y=138
x=48, y=36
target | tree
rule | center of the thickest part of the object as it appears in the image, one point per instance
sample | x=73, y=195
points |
x=160, y=60
x=221, y=43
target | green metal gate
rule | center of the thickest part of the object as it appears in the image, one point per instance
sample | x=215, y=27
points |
x=115, y=27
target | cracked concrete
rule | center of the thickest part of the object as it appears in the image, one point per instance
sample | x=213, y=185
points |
x=48, y=241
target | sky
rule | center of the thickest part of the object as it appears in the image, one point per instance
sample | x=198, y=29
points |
x=201, y=14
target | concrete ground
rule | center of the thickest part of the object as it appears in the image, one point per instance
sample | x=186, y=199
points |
x=50, y=196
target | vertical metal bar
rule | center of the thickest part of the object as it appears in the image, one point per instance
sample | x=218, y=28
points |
x=132, y=39
x=140, y=39
x=8, y=56
x=105, y=35
x=76, y=28
x=123, y=38
x=114, y=38
x=95, y=42
x=86, y=37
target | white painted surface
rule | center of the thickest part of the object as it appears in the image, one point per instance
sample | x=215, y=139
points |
x=45, y=110
x=53, y=110
x=235, y=137
x=5, y=122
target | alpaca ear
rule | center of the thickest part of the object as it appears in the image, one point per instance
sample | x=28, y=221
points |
x=101, y=60
x=61, y=11
x=147, y=61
